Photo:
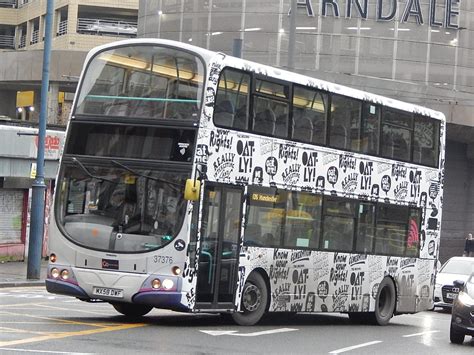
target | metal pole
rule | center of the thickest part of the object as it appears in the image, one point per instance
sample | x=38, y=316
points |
x=237, y=48
x=292, y=35
x=39, y=187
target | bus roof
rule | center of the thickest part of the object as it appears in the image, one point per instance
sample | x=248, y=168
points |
x=278, y=73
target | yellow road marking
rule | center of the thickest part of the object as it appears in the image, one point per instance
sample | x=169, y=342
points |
x=71, y=334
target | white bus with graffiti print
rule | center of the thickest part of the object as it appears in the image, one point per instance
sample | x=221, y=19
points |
x=199, y=182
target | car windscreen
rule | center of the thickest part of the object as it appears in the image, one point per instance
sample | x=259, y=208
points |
x=459, y=266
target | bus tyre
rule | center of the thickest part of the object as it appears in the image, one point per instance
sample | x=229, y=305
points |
x=132, y=310
x=455, y=336
x=384, y=303
x=254, y=301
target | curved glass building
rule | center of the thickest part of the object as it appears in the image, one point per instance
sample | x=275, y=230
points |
x=420, y=51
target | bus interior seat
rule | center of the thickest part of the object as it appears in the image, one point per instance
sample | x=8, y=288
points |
x=428, y=156
x=265, y=122
x=240, y=118
x=281, y=126
x=303, y=129
x=387, y=146
x=224, y=113
x=268, y=239
x=416, y=152
x=400, y=148
x=253, y=233
x=319, y=131
x=339, y=136
x=118, y=107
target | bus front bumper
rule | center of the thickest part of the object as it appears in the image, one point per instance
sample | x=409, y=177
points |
x=158, y=299
x=66, y=288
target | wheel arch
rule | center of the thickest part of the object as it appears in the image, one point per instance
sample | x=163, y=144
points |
x=265, y=277
x=395, y=285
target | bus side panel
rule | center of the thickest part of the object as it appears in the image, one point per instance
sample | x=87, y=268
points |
x=312, y=281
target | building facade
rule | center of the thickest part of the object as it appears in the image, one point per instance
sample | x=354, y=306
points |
x=77, y=27
x=419, y=51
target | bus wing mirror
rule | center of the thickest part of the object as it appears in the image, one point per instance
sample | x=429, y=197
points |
x=192, y=190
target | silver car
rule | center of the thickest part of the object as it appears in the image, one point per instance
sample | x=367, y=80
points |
x=456, y=268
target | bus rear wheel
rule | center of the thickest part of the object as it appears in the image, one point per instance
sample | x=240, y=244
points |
x=384, y=303
x=132, y=310
x=254, y=301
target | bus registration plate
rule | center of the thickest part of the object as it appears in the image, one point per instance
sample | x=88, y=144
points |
x=109, y=292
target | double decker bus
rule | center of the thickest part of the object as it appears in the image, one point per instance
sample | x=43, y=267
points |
x=199, y=182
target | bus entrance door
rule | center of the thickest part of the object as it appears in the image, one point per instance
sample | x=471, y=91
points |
x=219, y=252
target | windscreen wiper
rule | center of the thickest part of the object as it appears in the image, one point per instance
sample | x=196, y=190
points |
x=88, y=173
x=143, y=175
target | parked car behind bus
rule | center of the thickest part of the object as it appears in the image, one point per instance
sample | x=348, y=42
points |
x=456, y=268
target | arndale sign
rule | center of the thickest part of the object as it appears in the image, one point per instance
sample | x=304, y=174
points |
x=442, y=13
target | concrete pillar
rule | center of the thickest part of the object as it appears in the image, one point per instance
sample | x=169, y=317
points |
x=72, y=12
x=53, y=103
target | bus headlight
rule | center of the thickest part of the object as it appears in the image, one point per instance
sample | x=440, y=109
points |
x=168, y=284
x=64, y=274
x=54, y=272
x=156, y=283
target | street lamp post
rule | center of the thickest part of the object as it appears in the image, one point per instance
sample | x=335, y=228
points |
x=39, y=187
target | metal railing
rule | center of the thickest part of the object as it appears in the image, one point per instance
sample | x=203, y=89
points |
x=7, y=41
x=22, y=43
x=8, y=3
x=22, y=3
x=62, y=28
x=109, y=27
x=34, y=37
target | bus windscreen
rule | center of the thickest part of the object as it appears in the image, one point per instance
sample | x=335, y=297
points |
x=142, y=82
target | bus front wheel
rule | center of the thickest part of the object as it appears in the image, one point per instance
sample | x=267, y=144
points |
x=132, y=310
x=384, y=303
x=254, y=301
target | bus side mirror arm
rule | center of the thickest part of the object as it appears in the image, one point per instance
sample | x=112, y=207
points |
x=193, y=187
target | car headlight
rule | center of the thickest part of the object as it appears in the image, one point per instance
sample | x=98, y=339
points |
x=465, y=299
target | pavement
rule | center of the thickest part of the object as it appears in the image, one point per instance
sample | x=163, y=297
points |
x=13, y=274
